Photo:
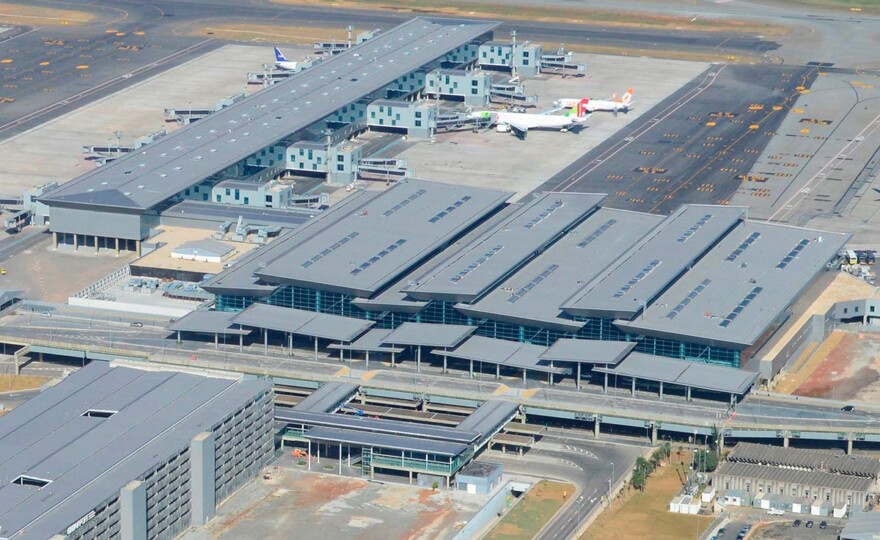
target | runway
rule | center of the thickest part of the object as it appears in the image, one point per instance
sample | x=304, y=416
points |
x=697, y=146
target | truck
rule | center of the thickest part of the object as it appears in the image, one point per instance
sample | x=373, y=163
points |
x=851, y=257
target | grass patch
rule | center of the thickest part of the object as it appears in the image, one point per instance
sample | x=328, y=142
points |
x=872, y=6
x=32, y=15
x=12, y=383
x=275, y=34
x=535, y=509
x=329, y=467
x=646, y=515
x=571, y=15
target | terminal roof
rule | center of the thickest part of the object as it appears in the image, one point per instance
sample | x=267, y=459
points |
x=88, y=459
x=391, y=427
x=363, y=252
x=372, y=341
x=328, y=397
x=429, y=335
x=214, y=213
x=386, y=440
x=207, y=322
x=532, y=295
x=502, y=352
x=684, y=373
x=301, y=322
x=491, y=257
x=489, y=417
x=640, y=274
x=588, y=351
x=738, y=289
x=143, y=179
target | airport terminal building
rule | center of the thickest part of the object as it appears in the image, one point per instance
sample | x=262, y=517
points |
x=704, y=283
x=130, y=451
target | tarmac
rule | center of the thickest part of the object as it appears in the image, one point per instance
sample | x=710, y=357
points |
x=696, y=146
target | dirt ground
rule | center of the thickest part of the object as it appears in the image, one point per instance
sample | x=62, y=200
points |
x=33, y=15
x=646, y=515
x=849, y=371
x=537, y=507
x=293, y=503
x=12, y=383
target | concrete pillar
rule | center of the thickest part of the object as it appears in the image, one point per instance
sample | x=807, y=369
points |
x=445, y=358
x=849, y=444
x=341, y=353
x=605, y=388
x=76, y=242
x=633, y=386
x=653, y=433
x=661, y=389
x=96, y=245
x=596, y=426
x=265, y=341
x=418, y=358
x=133, y=511
x=368, y=359
x=316, y=347
x=392, y=359
x=240, y=341
x=472, y=369
x=785, y=439
x=137, y=247
x=203, y=504
x=117, y=247
x=578, y=382
x=309, y=457
x=688, y=393
x=54, y=240
x=289, y=344
x=340, y=458
x=216, y=340
x=497, y=371
x=178, y=336
x=525, y=375
x=720, y=442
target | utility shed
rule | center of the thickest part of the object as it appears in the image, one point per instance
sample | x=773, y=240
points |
x=479, y=477
x=119, y=450
x=203, y=250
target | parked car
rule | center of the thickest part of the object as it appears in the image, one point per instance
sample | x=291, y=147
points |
x=797, y=523
x=848, y=408
x=810, y=524
x=823, y=524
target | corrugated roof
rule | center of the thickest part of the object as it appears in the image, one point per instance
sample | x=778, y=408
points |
x=641, y=273
x=588, y=351
x=494, y=255
x=364, y=251
x=372, y=341
x=804, y=478
x=861, y=526
x=145, y=178
x=207, y=322
x=429, y=335
x=736, y=291
x=328, y=397
x=301, y=322
x=89, y=459
x=684, y=373
x=835, y=462
x=489, y=417
x=503, y=352
x=385, y=440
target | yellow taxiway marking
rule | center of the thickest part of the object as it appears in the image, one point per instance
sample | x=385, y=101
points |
x=711, y=124
x=754, y=126
x=6, y=61
x=341, y=373
x=502, y=389
x=44, y=63
x=797, y=111
x=805, y=131
x=82, y=66
x=528, y=394
x=369, y=375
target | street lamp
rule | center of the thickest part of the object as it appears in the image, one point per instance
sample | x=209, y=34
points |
x=610, y=482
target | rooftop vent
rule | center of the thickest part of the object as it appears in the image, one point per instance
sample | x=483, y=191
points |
x=31, y=481
x=98, y=413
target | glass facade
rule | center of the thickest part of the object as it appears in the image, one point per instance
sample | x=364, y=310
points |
x=439, y=312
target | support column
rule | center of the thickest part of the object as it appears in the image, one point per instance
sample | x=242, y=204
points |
x=472, y=369
x=849, y=444
x=418, y=358
x=392, y=360
x=265, y=341
x=661, y=390
x=497, y=371
x=340, y=458
x=178, y=336
x=653, y=433
x=54, y=240
x=578, y=383
x=605, y=388
x=688, y=393
x=445, y=358
x=137, y=247
x=633, y=386
x=96, y=245
x=785, y=439
x=368, y=359
x=216, y=340
x=289, y=344
x=76, y=242
x=117, y=246
x=525, y=374
x=309, y=456
x=203, y=504
x=597, y=424
x=316, y=347
x=133, y=511
x=341, y=353
x=720, y=442
x=240, y=341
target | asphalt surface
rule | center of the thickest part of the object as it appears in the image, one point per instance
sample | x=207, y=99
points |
x=696, y=146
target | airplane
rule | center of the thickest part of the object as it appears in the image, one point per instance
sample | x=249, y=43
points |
x=520, y=123
x=283, y=63
x=615, y=104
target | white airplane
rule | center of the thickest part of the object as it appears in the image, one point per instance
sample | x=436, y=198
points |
x=520, y=123
x=615, y=104
x=283, y=63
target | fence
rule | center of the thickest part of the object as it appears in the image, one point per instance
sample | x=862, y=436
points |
x=104, y=283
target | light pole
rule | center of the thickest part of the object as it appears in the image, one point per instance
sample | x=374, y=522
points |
x=610, y=483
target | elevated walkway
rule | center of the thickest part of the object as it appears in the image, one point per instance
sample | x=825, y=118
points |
x=329, y=398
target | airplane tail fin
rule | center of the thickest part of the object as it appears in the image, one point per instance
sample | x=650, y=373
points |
x=279, y=56
x=582, y=108
x=626, y=98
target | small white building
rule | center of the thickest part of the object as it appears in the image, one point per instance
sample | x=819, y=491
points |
x=266, y=194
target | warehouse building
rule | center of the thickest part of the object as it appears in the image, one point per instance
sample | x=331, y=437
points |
x=128, y=451
x=115, y=207
x=702, y=284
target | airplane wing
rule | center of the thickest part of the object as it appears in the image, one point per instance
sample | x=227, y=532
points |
x=520, y=130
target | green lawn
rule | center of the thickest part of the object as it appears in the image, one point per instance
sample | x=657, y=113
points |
x=530, y=514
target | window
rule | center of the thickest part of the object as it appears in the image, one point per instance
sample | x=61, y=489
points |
x=237, y=194
x=97, y=413
x=246, y=201
x=872, y=309
x=525, y=61
x=319, y=161
x=857, y=309
x=340, y=167
x=845, y=311
x=525, y=54
x=372, y=114
x=473, y=91
x=418, y=114
x=205, y=197
x=340, y=158
x=227, y=192
x=31, y=481
x=310, y=154
x=475, y=83
x=418, y=123
x=186, y=192
x=218, y=198
x=268, y=198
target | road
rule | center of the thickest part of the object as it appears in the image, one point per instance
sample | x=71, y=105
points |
x=99, y=330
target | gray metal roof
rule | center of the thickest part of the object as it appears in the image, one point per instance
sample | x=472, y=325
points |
x=390, y=234
x=494, y=255
x=385, y=440
x=803, y=478
x=429, y=335
x=803, y=458
x=145, y=178
x=738, y=289
x=360, y=423
x=252, y=215
x=301, y=322
x=640, y=274
x=503, y=352
x=88, y=459
x=588, y=351
x=7, y=295
x=207, y=322
x=241, y=278
x=489, y=417
x=372, y=341
x=861, y=526
x=532, y=295
x=684, y=373
x=205, y=247
x=328, y=397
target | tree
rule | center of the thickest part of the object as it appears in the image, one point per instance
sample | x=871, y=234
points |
x=707, y=460
x=638, y=480
x=679, y=451
x=645, y=466
x=667, y=449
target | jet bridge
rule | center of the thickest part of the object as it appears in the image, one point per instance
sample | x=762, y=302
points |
x=188, y=115
x=510, y=94
x=383, y=169
x=103, y=154
x=561, y=63
x=461, y=121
